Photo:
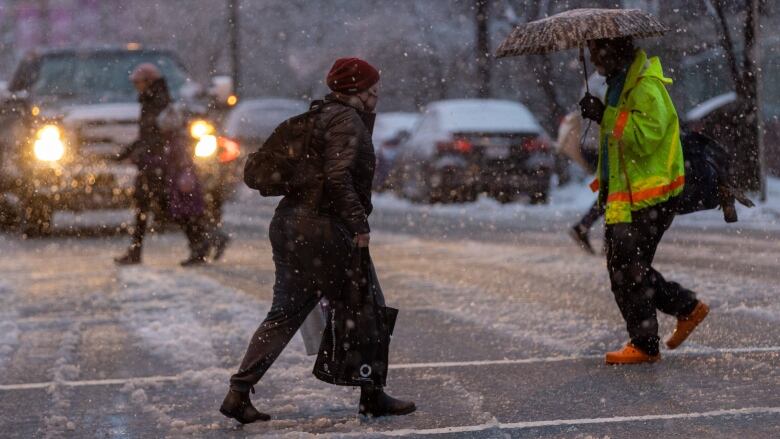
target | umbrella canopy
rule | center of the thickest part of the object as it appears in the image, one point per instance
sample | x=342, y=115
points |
x=572, y=29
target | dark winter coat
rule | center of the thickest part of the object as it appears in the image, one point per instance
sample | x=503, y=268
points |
x=148, y=150
x=183, y=189
x=343, y=163
x=165, y=156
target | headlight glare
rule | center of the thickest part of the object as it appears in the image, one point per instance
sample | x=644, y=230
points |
x=206, y=146
x=48, y=145
x=201, y=128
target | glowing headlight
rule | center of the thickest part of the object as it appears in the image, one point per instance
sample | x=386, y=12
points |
x=200, y=129
x=206, y=146
x=48, y=145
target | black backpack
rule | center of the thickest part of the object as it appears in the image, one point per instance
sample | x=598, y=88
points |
x=274, y=168
x=707, y=176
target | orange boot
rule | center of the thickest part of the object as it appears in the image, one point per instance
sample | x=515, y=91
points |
x=686, y=325
x=630, y=354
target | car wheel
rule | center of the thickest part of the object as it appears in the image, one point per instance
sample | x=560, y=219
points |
x=539, y=197
x=36, y=218
x=9, y=214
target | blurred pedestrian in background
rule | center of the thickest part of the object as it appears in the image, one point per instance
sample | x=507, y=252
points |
x=579, y=141
x=166, y=178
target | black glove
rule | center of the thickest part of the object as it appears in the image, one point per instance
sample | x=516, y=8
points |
x=591, y=108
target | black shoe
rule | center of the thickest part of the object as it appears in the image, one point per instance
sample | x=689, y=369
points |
x=375, y=402
x=220, y=245
x=580, y=235
x=238, y=406
x=132, y=257
x=193, y=260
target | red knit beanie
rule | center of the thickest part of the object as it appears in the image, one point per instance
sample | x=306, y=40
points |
x=351, y=75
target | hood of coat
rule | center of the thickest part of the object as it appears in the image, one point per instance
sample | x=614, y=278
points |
x=649, y=68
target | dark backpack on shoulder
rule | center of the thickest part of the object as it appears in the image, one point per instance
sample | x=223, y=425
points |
x=274, y=168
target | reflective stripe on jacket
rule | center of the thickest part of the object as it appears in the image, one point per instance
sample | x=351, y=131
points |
x=644, y=153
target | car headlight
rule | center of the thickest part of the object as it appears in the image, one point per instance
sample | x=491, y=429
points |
x=206, y=146
x=201, y=128
x=48, y=145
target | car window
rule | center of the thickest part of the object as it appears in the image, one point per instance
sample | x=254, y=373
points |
x=96, y=77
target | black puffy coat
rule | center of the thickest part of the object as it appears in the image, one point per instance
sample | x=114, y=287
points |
x=342, y=166
x=148, y=149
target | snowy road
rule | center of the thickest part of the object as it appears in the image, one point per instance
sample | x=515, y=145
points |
x=501, y=334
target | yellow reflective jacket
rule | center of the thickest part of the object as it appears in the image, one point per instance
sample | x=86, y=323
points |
x=642, y=138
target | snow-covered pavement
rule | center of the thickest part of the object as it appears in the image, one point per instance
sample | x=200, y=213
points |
x=501, y=334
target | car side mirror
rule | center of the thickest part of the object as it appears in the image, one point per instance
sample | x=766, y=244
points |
x=222, y=90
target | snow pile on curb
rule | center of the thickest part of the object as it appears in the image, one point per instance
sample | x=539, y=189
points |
x=565, y=201
x=572, y=200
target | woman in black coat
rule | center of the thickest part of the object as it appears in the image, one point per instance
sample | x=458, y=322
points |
x=315, y=232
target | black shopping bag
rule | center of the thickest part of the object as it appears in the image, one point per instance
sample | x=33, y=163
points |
x=356, y=341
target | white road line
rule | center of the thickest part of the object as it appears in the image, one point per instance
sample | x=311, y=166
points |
x=683, y=352
x=573, y=422
x=439, y=365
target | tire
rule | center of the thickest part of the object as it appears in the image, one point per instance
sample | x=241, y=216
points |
x=36, y=218
x=9, y=215
x=539, y=197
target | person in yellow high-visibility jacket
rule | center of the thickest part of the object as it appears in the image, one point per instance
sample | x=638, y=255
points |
x=640, y=172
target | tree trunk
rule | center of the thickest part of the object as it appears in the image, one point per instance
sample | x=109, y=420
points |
x=235, y=57
x=749, y=91
x=484, y=61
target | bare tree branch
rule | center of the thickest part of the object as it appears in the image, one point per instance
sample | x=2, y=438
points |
x=726, y=41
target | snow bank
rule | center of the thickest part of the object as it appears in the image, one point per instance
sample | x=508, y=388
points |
x=566, y=201
x=572, y=200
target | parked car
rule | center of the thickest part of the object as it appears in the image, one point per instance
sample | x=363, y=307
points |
x=66, y=113
x=716, y=118
x=253, y=120
x=706, y=90
x=391, y=130
x=463, y=147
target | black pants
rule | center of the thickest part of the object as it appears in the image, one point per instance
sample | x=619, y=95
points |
x=638, y=288
x=595, y=212
x=150, y=192
x=311, y=255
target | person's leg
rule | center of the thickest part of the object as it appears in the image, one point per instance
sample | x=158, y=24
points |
x=195, y=230
x=595, y=212
x=294, y=298
x=580, y=232
x=630, y=251
x=307, y=267
x=669, y=297
x=142, y=204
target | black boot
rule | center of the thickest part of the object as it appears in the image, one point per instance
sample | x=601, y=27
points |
x=579, y=234
x=193, y=260
x=220, y=244
x=238, y=406
x=375, y=402
x=132, y=257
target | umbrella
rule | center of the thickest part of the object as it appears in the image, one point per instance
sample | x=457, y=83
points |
x=573, y=29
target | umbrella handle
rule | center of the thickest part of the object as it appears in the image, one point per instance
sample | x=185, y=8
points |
x=584, y=68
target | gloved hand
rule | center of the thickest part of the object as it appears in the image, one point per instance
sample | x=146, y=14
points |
x=592, y=108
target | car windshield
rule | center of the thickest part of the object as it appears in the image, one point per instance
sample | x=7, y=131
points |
x=98, y=77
